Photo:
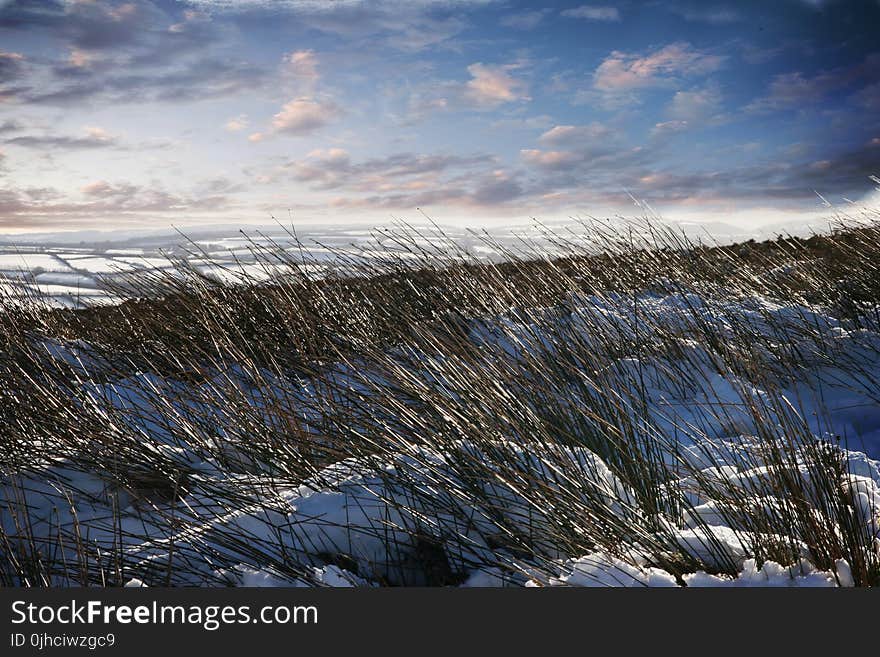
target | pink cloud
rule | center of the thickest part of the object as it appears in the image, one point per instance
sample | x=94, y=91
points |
x=548, y=159
x=491, y=86
x=302, y=64
x=304, y=115
x=623, y=71
x=563, y=134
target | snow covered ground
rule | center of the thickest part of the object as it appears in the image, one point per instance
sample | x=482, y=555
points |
x=69, y=269
x=362, y=521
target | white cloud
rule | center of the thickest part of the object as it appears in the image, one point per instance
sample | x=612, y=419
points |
x=99, y=134
x=593, y=13
x=491, y=86
x=324, y=167
x=302, y=64
x=79, y=58
x=549, y=159
x=527, y=20
x=539, y=122
x=237, y=123
x=325, y=6
x=408, y=25
x=304, y=115
x=189, y=17
x=622, y=71
x=97, y=188
x=695, y=105
x=666, y=128
x=563, y=134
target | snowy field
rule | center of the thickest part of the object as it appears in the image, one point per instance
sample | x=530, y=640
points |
x=751, y=427
x=75, y=270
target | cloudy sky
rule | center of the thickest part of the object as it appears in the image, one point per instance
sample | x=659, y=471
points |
x=160, y=112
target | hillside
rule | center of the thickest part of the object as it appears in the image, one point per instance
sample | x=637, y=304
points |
x=615, y=407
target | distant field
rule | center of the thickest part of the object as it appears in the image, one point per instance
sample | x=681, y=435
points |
x=62, y=269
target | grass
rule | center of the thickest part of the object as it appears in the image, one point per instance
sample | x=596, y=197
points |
x=494, y=415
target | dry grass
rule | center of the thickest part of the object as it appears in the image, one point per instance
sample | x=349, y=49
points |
x=488, y=386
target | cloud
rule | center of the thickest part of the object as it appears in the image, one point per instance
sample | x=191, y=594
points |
x=219, y=185
x=573, y=171
x=91, y=58
x=333, y=168
x=549, y=159
x=527, y=20
x=797, y=89
x=869, y=97
x=837, y=174
x=539, y=122
x=191, y=20
x=695, y=105
x=322, y=6
x=407, y=25
x=123, y=52
x=302, y=116
x=101, y=200
x=302, y=64
x=498, y=187
x=92, y=138
x=609, y=165
x=237, y=123
x=104, y=189
x=324, y=168
x=701, y=11
x=667, y=128
x=619, y=79
x=10, y=125
x=420, y=107
x=10, y=65
x=592, y=13
x=576, y=134
x=622, y=71
x=603, y=167
x=79, y=58
x=403, y=180
x=200, y=79
x=308, y=112
x=753, y=54
x=491, y=86
x=489, y=191
x=140, y=26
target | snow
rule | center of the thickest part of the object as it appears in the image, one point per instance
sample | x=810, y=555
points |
x=604, y=570
x=30, y=261
x=66, y=279
x=354, y=507
x=772, y=574
x=98, y=265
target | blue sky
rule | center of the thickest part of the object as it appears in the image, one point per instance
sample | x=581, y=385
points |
x=158, y=112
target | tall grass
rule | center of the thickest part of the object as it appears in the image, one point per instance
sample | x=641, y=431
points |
x=500, y=414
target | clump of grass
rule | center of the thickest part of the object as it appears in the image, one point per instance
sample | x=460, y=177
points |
x=472, y=414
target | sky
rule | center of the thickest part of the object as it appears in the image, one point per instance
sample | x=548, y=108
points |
x=152, y=113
